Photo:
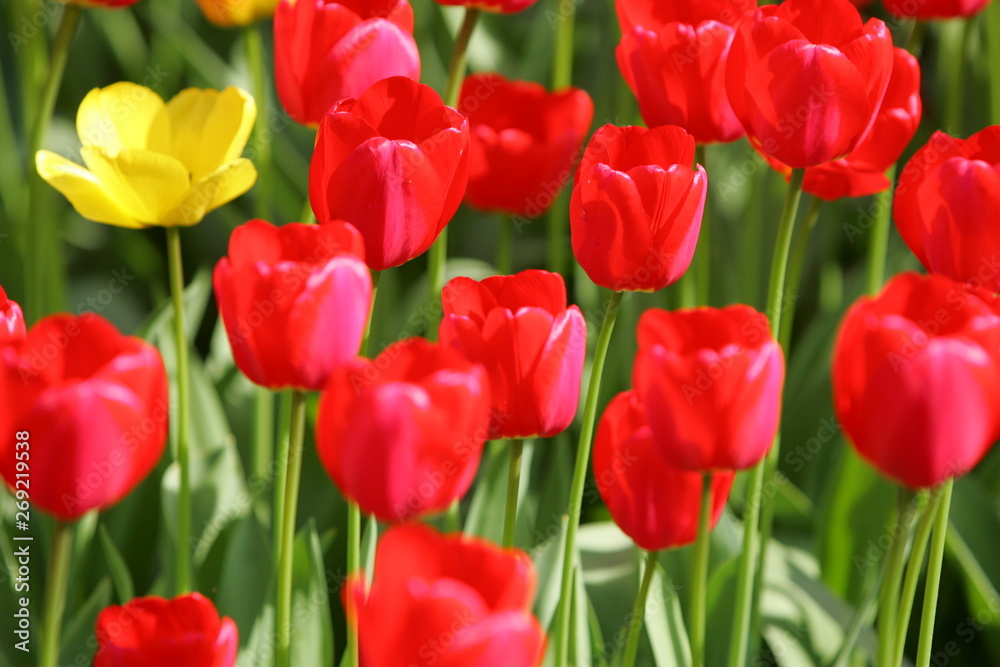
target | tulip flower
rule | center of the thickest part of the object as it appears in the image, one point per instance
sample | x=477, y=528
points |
x=711, y=382
x=402, y=434
x=95, y=405
x=155, y=164
x=295, y=301
x=935, y=9
x=394, y=163
x=495, y=6
x=228, y=13
x=945, y=205
x=863, y=171
x=916, y=378
x=446, y=600
x=326, y=51
x=653, y=502
x=637, y=206
x=806, y=78
x=154, y=632
x=531, y=344
x=524, y=142
x=11, y=320
x=673, y=57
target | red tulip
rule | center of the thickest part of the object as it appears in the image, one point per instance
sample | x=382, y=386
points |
x=531, y=344
x=673, y=56
x=402, y=434
x=11, y=320
x=935, y=9
x=654, y=503
x=154, y=632
x=327, y=51
x=945, y=207
x=496, y=6
x=94, y=405
x=711, y=381
x=294, y=299
x=916, y=378
x=524, y=142
x=806, y=79
x=394, y=163
x=448, y=601
x=637, y=206
x=862, y=172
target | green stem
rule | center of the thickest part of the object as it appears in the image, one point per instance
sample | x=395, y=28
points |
x=284, y=426
x=289, y=508
x=934, y=565
x=513, y=486
x=254, y=42
x=183, y=411
x=746, y=582
x=796, y=265
x=703, y=256
x=699, y=576
x=912, y=577
x=44, y=266
x=353, y=510
x=878, y=244
x=557, y=217
x=639, y=612
x=505, y=246
x=438, y=256
x=580, y=475
x=453, y=517
x=956, y=81
x=889, y=595
x=263, y=432
x=55, y=593
x=992, y=19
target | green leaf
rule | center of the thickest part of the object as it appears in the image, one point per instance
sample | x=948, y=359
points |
x=312, y=627
x=247, y=559
x=665, y=623
x=486, y=509
x=120, y=574
x=79, y=641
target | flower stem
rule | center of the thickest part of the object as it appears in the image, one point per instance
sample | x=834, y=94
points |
x=745, y=600
x=934, y=564
x=796, y=265
x=879, y=242
x=513, y=486
x=956, y=80
x=699, y=575
x=438, y=256
x=580, y=476
x=505, y=245
x=55, y=593
x=889, y=595
x=913, y=569
x=639, y=612
x=183, y=583
x=289, y=508
x=992, y=18
x=44, y=266
x=557, y=217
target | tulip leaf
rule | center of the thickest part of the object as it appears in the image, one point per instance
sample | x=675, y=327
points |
x=486, y=509
x=247, y=558
x=159, y=328
x=78, y=640
x=120, y=574
x=258, y=650
x=312, y=627
x=664, y=623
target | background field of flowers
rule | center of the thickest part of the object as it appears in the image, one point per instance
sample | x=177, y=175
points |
x=833, y=525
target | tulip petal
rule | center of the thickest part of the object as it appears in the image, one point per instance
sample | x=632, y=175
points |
x=122, y=116
x=210, y=127
x=146, y=184
x=220, y=187
x=83, y=190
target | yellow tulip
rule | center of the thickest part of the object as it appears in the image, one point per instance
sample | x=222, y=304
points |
x=226, y=13
x=150, y=163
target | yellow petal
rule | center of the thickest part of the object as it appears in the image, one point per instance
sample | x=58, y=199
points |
x=146, y=184
x=123, y=116
x=210, y=128
x=87, y=195
x=220, y=187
